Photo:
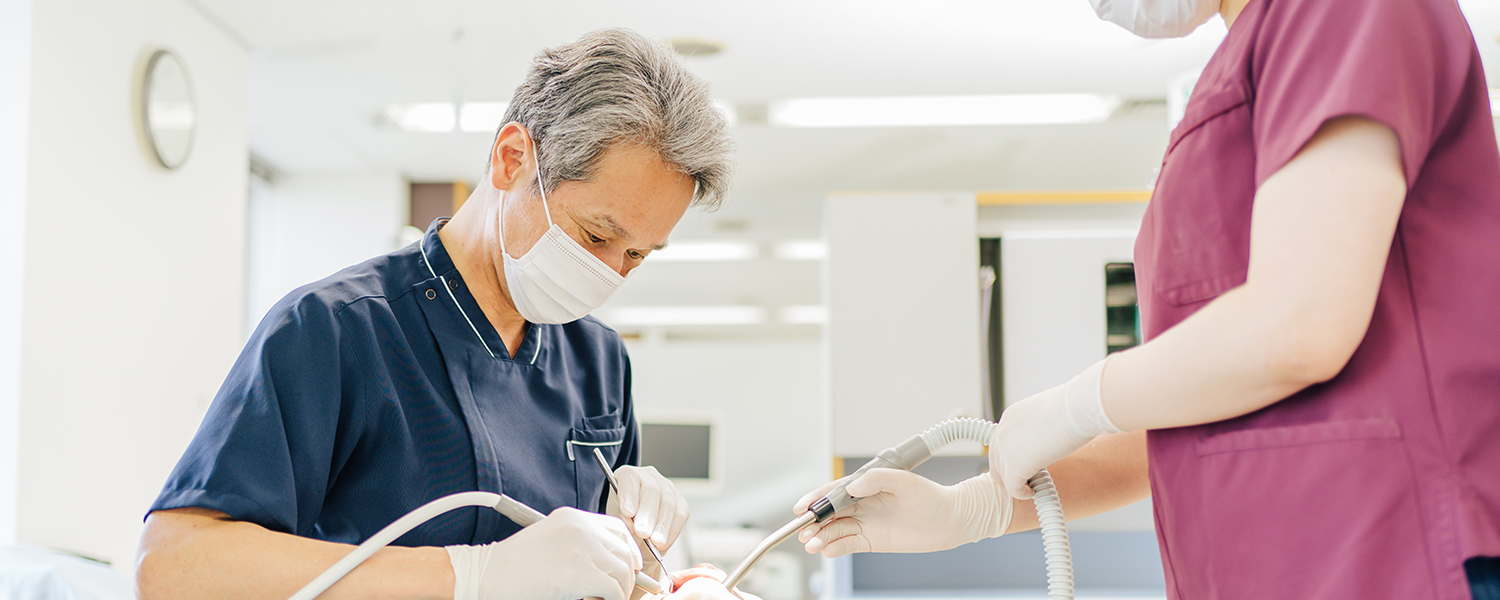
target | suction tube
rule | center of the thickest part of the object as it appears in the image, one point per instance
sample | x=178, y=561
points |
x=513, y=509
x=915, y=451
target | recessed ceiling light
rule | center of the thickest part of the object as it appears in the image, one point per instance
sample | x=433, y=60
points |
x=481, y=117
x=696, y=47
x=800, y=250
x=918, y=111
x=704, y=251
x=425, y=117
x=808, y=314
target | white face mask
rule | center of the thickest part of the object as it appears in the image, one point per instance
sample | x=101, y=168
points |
x=1157, y=18
x=557, y=281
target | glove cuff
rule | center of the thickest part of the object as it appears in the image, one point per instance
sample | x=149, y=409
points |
x=468, y=566
x=1085, y=404
x=983, y=508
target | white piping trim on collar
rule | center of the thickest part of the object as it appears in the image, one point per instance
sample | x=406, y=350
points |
x=422, y=246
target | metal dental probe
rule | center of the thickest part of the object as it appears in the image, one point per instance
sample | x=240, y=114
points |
x=609, y=475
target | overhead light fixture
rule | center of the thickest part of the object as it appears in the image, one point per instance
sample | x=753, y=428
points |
x=647, y=316
x=423, y=117
x=808, y=314
x=704, y=252
x=481, y=117
x=473, y=117
x=924, y=111
x=800, y=250
x=1494, y=102
x=696, y=47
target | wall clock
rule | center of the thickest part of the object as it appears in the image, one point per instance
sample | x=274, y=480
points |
x=168, y=114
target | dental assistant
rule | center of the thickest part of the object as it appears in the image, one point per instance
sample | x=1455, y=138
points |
x=463, y=362
x=1316, y=412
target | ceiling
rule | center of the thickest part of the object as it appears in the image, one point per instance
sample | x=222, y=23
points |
x=322, y=71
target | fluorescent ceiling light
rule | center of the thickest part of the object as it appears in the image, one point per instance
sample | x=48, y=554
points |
x=423, y=117
x=704, y=251
x=472, y=117
x=1494, y=102
x=809, y=314
x=627, y=316
x=481, y=117
x=918, y=111
x=801, y=250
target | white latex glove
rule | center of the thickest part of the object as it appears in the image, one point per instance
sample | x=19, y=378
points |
x=1039, y=430
x=905, y=512
x=570, y=554
x=703, y=582
x=650, y=504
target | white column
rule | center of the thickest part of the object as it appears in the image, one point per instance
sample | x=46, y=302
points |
x=15, y=100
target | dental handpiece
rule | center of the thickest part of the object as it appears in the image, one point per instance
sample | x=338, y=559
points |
x=906, y=456
x=915, y=451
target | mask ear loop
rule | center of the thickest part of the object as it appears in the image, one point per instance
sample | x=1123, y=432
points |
x=536, y=158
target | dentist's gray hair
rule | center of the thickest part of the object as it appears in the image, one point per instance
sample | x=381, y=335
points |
x=616, y=86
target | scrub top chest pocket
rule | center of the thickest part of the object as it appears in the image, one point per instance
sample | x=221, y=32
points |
x=586, y=470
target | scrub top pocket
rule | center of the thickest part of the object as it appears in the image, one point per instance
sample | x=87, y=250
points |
x=587, y=473
x=1193, y=245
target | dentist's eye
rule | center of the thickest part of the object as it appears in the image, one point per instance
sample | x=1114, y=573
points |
x=594, y=238
x=635, y=255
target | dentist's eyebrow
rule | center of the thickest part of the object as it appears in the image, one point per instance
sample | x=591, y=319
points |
x=609, y=223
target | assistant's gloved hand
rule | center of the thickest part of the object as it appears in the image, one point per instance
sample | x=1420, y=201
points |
x=570, y=554
x=650, y=504
x=1039, y=430
x=905, y=512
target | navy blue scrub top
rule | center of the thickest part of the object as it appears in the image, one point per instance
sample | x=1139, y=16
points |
x=369, y=393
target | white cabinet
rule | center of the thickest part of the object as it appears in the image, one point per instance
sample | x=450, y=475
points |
x=1053, y=295
x=903, y=336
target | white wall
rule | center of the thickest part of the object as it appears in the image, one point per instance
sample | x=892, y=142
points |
x=15, y=70
x=133, y=274
x=306, y=227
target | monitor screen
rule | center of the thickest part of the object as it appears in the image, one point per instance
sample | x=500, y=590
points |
x=678, y=451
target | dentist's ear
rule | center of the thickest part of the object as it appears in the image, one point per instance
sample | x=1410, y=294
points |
x=508, y=157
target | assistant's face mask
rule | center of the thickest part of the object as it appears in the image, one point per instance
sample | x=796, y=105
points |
x=1157, y=18
x=557, y=281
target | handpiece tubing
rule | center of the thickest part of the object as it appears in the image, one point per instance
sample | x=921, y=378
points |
x=389, y=533
x=522, y=515
x=781, y=535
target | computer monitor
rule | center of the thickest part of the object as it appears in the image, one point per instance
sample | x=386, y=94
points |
x=683, y=447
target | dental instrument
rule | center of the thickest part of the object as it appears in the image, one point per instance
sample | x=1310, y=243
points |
x=614, y=486
x=514, y=510
x=906, y=456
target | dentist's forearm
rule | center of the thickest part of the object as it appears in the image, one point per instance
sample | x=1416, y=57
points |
x=198, y=553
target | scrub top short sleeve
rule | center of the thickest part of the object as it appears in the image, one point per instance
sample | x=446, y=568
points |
x=1382, y=59
x=267, y=447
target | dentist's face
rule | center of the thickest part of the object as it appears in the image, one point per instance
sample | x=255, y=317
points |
x=621, y=215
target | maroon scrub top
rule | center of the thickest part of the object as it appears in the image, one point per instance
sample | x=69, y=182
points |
x=1381, y=481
